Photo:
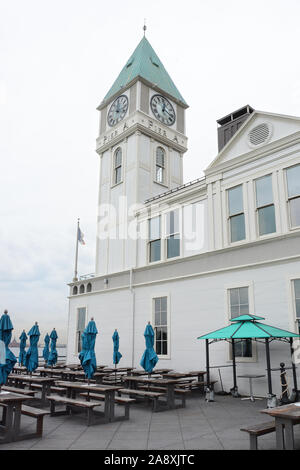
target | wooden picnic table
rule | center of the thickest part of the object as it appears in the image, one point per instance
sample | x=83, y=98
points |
x=138, y=372
x=11, y=415
x=20, y=380
x=170, y=385
x=73, y=388
x=285, y=418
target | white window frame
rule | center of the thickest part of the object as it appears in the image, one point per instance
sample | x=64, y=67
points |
x=244, y=240
x=166, y=167
x=272, y=234
x=238, y=285
x=292, y=303
x=76, y=325
x=296, y=227
x=155, y=239
x=158, y=296
x=167, y=235
x=113, y=167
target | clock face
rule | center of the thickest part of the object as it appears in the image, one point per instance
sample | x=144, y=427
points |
x=117, y=110
x=163, y=110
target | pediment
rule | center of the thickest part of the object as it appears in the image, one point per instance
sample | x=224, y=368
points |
x=259, y=131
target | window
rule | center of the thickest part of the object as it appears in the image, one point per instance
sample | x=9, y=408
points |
x=239, y=305
x=173, y=234
x=236, y=214
x=118, y=166
x=75, y=290
x=81, y=289
x=161, y=325
x=264, y=205
x=293, y=185
x=296, y=289
x=154, y=239
x=160, y=165
x=89, y=287
x=81, y=314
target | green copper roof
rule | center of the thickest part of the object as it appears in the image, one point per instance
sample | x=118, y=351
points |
x=145, y=63
x=248, y=327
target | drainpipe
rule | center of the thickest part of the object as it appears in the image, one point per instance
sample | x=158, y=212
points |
x=133, y=314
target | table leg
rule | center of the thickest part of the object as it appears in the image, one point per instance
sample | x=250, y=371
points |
x=170, y=396
x=279, y=423
x=112, y=406
x=251, y=389
x=107, y=406
x=289, y=435
x=8, y=427
x=17, y=421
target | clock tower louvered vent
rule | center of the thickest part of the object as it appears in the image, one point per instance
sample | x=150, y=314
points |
x=259, y=134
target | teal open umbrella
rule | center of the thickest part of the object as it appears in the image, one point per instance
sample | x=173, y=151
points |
x=52, y=359
x=116, y=354
x=32, y=355
x=7, y=358
x=46, y=347
x=149, y=358
x=22, y=352
x=87, y=354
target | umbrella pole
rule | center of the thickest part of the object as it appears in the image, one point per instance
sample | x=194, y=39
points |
x=115, y=374
x=234, y=390
x=271, y=401
x=294, y=371
x=209, y=393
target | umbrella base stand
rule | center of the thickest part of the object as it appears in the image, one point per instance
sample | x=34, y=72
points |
x=209, y=395
x=271, y=401
x=234, y=392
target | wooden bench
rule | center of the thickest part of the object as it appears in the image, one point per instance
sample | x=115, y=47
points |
x=178, y=391
x=39, y=416
x=59, y=390
x=119, y=400
x=153, y=396
x=73, y=402
x=20, y=391
x=258, y=430
x=197, y=385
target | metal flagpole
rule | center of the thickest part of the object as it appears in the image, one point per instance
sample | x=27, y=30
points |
x=76, y=254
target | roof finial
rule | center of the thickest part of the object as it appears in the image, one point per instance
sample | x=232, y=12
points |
x=144, y=27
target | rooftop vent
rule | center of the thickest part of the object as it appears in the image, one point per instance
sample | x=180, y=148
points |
x=259, y=134
x=231, y=123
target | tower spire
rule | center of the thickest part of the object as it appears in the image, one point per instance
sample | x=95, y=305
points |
x=144, y=27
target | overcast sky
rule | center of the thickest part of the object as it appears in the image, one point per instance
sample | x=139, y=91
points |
x=58, y=58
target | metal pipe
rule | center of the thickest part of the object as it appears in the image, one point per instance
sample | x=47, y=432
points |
x=207, y=362
x=235, y=388
x=268, y=366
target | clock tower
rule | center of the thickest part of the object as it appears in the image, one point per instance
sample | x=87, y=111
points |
x=141, y=144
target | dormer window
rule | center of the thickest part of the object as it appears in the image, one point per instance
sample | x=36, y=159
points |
x=160, y=165
x=118, y=166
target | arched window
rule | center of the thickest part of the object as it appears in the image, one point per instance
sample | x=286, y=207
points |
x=118, y=166
x=160, y=165
x=75, y=290
x=89, y=287
x=81, y=289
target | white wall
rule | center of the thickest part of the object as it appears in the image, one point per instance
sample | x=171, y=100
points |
x=198, y=305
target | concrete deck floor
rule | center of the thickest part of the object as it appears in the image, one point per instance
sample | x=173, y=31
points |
x=199, y=426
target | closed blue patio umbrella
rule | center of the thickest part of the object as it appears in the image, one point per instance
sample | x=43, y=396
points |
x=32, y=355
x=7, y=363
x=116, y=354
x=52, y=359
x=22, y=352
x=149, y=358
x=87, y=354
x=46, y=347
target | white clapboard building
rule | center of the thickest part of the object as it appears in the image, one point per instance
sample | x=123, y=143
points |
x=188, y=257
